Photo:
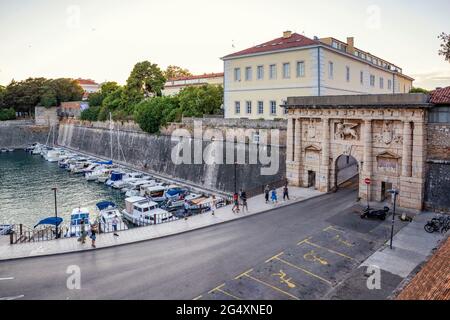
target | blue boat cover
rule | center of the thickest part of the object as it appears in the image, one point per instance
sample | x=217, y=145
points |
x=105, y=162
x=116, y=176
x=52, y=220
x=174, y=191
x=105, y=204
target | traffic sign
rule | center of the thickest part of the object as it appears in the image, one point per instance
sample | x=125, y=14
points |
x=367, y=181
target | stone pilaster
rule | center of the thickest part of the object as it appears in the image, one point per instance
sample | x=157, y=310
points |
x=324, y=173
x=367, y=170
x=290, y=139
x=407, y=149
x=291, y=167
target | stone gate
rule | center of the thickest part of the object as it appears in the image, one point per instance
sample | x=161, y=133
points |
x=384, y=133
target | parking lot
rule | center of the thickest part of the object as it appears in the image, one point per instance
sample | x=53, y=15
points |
x=312, y=268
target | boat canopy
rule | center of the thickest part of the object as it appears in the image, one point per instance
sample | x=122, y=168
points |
x=116, y=176
x=51, y=220
x=104, y=162
x=175, y=191
x=105, y=204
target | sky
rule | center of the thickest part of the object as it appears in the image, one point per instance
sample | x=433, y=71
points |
x=103, y=39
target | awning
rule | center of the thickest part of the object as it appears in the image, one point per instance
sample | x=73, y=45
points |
x=50, y=221
x=105, y=162
x=105, y=204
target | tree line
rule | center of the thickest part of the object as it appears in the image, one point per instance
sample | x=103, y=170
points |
x=141, y=99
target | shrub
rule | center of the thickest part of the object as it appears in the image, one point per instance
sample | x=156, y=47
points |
x=90, y=114
x=7, y=114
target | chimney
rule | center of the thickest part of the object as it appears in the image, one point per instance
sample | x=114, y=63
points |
x=287, y=34
x=351, y=45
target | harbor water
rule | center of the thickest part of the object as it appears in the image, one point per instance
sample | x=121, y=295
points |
x=26, y=194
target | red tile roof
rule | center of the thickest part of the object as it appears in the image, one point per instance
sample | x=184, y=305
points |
x=440, y=96
x=87, y=82
x=202, y=76
x=294, y=41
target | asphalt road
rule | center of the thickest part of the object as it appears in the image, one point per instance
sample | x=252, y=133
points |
x=177, y=267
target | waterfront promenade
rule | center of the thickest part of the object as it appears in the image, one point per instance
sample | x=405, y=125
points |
x=256, y=205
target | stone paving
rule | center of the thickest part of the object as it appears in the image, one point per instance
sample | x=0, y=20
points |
x=256, y=205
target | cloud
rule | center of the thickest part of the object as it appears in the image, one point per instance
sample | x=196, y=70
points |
x=432, y=80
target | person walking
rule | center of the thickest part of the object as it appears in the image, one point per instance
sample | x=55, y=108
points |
x=115, y=221
x=285, y=192
x=266, y=193
x=186, y=209
x=213, y=204
x=274, y=196
x=94, y=230
x=235, y=208
x=83, y=232
x=244, y=201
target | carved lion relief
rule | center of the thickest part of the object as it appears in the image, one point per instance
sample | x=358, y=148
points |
x=346, y=131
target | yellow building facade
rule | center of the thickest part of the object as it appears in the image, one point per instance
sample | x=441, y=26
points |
x=258, y=80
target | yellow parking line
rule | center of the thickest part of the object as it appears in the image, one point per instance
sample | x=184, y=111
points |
x=303, y=241
x=216, y=288
x=333, y=228
x=198, y=298
x=274, y=257
x=330, y=250
x=243, y=274
x=228, y=294
x=271, y=286
x=305, y=271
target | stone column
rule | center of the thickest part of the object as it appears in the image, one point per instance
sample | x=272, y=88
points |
x=407, y=149
x=289, y=140
x=367, y=170
x=325, y=164
x=298, y=141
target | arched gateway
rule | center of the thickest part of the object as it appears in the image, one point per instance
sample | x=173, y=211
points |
x=383, y=134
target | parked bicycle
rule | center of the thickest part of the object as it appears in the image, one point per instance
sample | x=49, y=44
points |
x=438, y=224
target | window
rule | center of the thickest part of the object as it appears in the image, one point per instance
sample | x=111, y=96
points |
x=237, y=74
x=372, y=80
x=249, y=107
x=248, y=74
x=237, y=107
x=361, y=77
x=273, y=71
x=273, y=107
x=347, y=74
x=260, y=72
x=260, y=107
x=300, y=69
x=331, y=70
x=381, y=83
x=390, y=84
x=286, y=70
x=439, y=115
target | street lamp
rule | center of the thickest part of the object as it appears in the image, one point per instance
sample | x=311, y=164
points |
x=235, y=177
x=393, y=192
x=56, y=214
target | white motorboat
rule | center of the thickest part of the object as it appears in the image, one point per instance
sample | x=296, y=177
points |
x=53, y=155
x=134, y=185
x=79, y=214
x=108, y=211
x=141, y=211
x=155, y=192
x=115, y=176
x=97, y=173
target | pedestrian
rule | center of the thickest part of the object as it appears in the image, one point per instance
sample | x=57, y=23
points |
x=213, y=204
x=186, y=209
x=83, y=232
x=235, y=203
x=266, y=193
x=244, y=201
x=94, y=230
x=115, y=221
x=285, y=192
x=274, y=196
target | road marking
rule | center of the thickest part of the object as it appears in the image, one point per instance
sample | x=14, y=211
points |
x=10, y=278
x=243, y=274
x=12, y=298
x=303, y=241
x=219, y=289
x=274, y=257
x=333, y=228
x=332, y=251
x=271, y=286
x=305, y=271
x=196, y=298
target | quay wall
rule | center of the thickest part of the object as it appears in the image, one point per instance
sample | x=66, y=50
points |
x=21, y=133
x=153, y=154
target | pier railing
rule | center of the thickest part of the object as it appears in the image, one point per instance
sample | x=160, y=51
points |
x=22, y=234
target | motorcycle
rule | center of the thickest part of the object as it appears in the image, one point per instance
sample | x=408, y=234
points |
x=441, y=224
x=375, y=214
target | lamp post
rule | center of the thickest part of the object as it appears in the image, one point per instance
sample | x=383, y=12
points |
x=56, y=214
x=394, y=192
x=235, y=177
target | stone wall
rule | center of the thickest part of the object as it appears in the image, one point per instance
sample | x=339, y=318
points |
x=20, y=134
x=46, y=116
x=438, y=147
x=153, y=153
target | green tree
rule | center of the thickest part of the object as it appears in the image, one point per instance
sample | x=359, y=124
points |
x=197, y=101
x=2, y=96
x=7, y=114
x=153, y=113
x=146, y=80
x=24, y=95
x=445, y=46
x=90, y=114
x=419, y=90
x=48, y=98
x=67, y=90
x=173, y=72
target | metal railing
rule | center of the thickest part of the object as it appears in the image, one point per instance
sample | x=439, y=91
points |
x=22, y=234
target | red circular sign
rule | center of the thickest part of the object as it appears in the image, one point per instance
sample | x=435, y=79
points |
x=367, y=181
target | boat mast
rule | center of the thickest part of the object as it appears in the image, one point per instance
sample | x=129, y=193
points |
x=110, y=134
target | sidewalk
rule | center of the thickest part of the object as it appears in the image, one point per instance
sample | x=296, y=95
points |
x=224, y=214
